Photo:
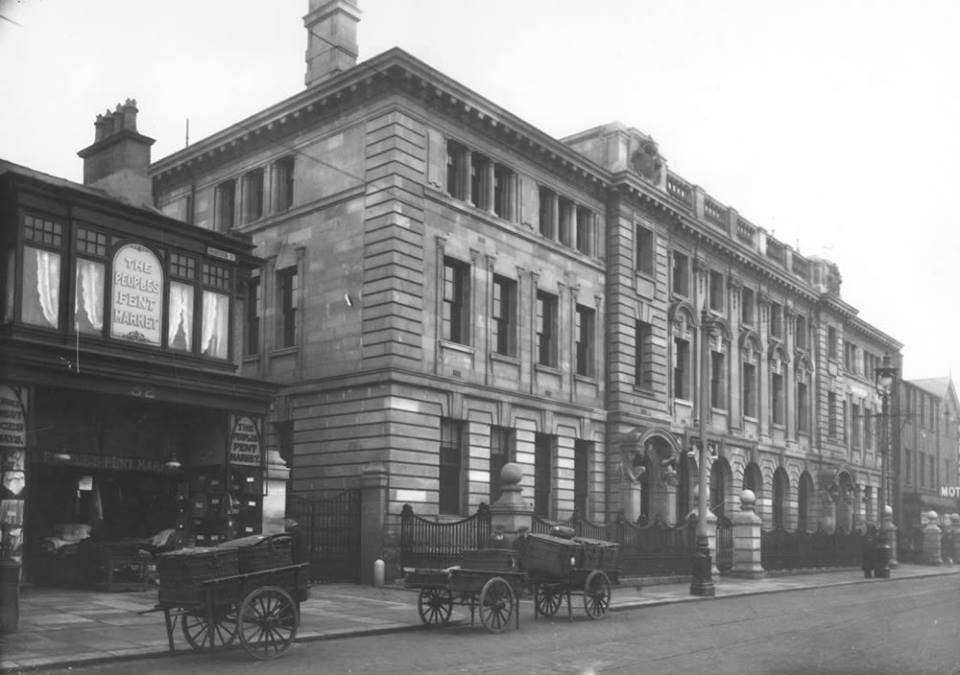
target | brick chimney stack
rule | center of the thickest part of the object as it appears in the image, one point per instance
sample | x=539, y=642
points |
x=331, y=38
x=118, y=159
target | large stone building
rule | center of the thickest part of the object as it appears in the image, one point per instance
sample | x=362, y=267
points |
x=447, y=288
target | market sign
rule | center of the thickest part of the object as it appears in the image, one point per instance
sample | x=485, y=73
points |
x=950, y=490
x=13, y=423
x=137, y=295
x=245, y=441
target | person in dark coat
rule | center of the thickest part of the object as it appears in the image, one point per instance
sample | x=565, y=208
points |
x=870, y=541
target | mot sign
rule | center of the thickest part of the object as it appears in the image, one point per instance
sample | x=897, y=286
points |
x=950, y=490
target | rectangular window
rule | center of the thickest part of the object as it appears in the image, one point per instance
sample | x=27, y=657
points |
x=747, y=305
x=831, y=342
x=803, y=408
x=251, y=343
x=868, y=429
x=776, y=393
x=749, y=390
x=457, y=156
x=283, y=184
x=922, y=463
x=451, y=464
x=800, y=332
x=581, y=473
x=643, y=354
x=223, y=205
x=843, y=419
x=548, y=213
x=41, y=287
x=681, y=274
x=849, y=356
x=288, y=286
x=855, y=424
x=832, y=415
x=504, y=316
x=681, y=369
x=480, y=168
x=644, y=250
x=586, y=230
x=718, y=380
x=565, y=215
x=215, y=328
x=776, y=320
x=253, y=195
x=456, y=301
x=908, y=466
x=504, y=191
x=542, y=474
x=89, y=296
x=180, y=317
x=501, y=452
x=546, y=329
x=586, y=327
x=716, y=291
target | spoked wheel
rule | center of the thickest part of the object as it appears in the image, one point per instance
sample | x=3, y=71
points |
x=267, y=622
x=196, y=627
x=496, y=605
x=596, y=594
x=435, y=605
x=548, y=600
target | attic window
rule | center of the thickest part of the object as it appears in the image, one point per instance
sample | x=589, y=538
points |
x=223, y=207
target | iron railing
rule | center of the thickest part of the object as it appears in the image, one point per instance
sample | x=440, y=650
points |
x=437, y=544
x=330, y=528
x=782, y=550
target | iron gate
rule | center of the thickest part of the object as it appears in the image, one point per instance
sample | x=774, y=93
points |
x=724, y=544
x=330, y=528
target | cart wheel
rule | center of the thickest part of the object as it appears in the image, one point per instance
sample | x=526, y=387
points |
x=596, y=594
x=196, y=627
x=267, y=622
x=435, y=605
x=548, y=599
x=496, y=605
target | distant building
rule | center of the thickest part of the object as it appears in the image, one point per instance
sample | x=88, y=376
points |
x=124, y=416
x=447, y=288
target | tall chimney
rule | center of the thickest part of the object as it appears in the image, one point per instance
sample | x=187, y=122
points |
x=118, y=159
x=331, y=38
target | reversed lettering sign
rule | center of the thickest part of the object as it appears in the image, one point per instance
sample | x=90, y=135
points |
x=245, y=441
x=137, y=295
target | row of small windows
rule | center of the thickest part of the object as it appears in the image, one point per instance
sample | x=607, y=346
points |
x=151, y=302
x=491, y=186
x=287, y=302
x=920, y=469
x=456, y=318
x=254, y=198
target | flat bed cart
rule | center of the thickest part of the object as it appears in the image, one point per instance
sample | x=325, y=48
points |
x=218, y=605
x=494, y=594
x=549, y=593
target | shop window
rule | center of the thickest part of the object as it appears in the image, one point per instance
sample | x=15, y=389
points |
x=223, y=205
x=283, y=184
x=542, y=474
x=216, y=325
x=88, y=297
x=504, y=316
x=254, y=312
x=41, y=272
x=451, y=466
x=644, y=250
x=253, y=195
x=585, y=331
x=180, y=317
x=586, y=230
x=643, y=355
x=287, y=298
x=546, y=329
x=456, y=301
x=681, y=274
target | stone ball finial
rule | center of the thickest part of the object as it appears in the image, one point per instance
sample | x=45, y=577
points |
x=888, y=510
x=932, y=516
x=747, y=498
x=511, y=474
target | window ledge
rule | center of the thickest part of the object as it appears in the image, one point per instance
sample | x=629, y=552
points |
x=591, y=379
x=553, y=370
x=719, y=411
x=749, y=418
x=281, y=351
x=506, y=358
x=456, y=346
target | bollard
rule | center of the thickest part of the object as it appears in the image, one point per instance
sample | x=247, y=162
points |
x=378, y=571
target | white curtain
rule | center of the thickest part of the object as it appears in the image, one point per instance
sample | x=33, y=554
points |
x=180, y=323
x=41, y=274
x=88, y=303
x=216, y=314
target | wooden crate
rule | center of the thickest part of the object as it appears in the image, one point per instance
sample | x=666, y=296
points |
x=261, y=551
x=181, y=572
x=490, y=559
x=541, y=554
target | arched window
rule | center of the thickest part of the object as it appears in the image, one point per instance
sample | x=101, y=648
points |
x=719, y=476
x=752, y=479
x=781, y=485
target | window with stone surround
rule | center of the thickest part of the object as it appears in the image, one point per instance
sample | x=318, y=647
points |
x=451, y=479
x=504, y=323
x=546, y=329
x=585, y=339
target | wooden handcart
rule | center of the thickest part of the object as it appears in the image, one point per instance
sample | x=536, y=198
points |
x=490, y=581
x=234, y=593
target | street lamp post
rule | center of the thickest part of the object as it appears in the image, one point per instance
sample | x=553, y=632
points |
x=702, y=581
x=885, y=375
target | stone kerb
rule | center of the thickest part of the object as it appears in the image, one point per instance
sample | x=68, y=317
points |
x=746, y=539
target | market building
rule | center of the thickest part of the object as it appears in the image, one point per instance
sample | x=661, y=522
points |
x=125, y=424
x=447, y=288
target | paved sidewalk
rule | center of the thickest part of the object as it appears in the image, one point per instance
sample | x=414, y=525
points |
x=60, y=627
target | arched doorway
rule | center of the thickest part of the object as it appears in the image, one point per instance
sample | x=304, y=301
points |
x=804, y=495
x=781, y=488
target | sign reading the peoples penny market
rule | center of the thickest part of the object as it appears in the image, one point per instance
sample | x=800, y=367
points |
x=137, y=295
x=245, y=441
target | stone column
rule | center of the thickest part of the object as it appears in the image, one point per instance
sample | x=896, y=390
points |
x=931, y=540
x=511, y=515
x=891, y=532
x=373, y=508
x=746, y=539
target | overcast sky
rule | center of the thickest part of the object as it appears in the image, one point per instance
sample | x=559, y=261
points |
x=831, y=123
